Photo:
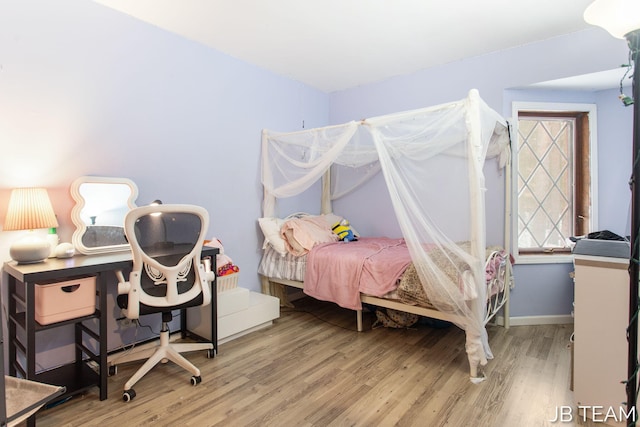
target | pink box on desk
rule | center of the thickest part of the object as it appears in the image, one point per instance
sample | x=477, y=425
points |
x=58, y=301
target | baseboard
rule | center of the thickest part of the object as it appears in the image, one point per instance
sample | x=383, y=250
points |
x=560, y=319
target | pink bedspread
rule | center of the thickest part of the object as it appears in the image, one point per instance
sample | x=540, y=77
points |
x=338, y=272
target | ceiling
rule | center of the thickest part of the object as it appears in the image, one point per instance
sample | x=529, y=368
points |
x=338, y=44
x=590, y=82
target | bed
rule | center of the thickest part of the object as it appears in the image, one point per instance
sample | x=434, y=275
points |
x=441, y=266
x=400, y=289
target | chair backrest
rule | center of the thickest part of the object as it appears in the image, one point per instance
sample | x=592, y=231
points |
x=166, y=243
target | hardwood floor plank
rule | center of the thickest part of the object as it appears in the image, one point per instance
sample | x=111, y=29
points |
x=312, y=368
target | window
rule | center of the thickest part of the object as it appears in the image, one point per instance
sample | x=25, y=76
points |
x=553, y=171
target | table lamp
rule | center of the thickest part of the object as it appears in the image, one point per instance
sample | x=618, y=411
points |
x=30, y=209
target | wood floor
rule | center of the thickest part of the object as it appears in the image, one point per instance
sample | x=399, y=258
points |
x=311, y=368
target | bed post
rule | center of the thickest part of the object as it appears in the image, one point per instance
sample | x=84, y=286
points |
x=507, y=233
x=326, y=208
x=266, y=285
x=325, y=202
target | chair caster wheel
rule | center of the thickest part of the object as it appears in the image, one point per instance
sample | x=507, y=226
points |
x=211, y=353
x=128, y=395
x=113, y=369
x=196, y=380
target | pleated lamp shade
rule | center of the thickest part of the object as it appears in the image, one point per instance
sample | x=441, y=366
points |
x=29, y=209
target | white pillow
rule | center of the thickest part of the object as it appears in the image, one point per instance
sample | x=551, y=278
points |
x=271, y=229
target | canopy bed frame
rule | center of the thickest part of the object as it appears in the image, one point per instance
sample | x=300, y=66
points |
x=446, y=145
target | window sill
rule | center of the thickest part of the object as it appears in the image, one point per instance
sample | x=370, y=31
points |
x=544, y=259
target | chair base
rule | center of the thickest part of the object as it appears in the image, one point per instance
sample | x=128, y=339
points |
x=162, y=353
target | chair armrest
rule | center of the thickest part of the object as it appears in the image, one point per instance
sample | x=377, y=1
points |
x=123, y=285
x=209, y=276
x=119, y=275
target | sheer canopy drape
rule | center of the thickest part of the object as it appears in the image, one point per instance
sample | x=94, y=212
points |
x=432, y=162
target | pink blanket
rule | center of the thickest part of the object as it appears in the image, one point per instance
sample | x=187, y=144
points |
x=339, y=272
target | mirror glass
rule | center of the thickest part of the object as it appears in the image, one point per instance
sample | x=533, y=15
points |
x=101, y=204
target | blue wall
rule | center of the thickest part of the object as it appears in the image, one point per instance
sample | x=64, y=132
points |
x=541, y=289
x=85, y=90
x=548, y=289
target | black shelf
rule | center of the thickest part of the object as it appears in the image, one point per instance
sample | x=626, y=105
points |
x=20, y=320
x=76, y=377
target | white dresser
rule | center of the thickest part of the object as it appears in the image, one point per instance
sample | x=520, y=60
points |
x=601, y=318
x=240, y=312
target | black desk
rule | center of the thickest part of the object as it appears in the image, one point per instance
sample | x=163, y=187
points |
x=76, y=377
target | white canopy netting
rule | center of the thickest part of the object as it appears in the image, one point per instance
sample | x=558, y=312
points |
x=432, y=162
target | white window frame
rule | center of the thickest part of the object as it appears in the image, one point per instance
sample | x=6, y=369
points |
x=591, y=110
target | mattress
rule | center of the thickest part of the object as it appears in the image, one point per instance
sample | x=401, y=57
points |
x=409, y=290
x=277, y=266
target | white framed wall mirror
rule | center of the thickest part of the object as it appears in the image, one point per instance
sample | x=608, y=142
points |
x=99, y=211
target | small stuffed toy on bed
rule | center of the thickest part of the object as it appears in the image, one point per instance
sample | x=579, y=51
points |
x=344, y=231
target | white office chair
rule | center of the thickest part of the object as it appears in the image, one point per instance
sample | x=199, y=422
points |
x=167, y=274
